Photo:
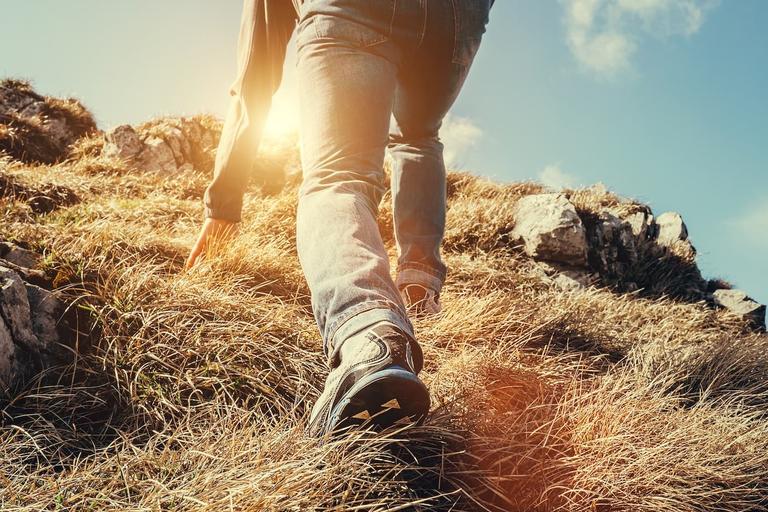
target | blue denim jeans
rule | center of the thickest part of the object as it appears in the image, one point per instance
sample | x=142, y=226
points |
x=360, y=63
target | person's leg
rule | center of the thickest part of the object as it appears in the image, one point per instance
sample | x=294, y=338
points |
x=346, y=91
x=347, y=77
x=428, y=84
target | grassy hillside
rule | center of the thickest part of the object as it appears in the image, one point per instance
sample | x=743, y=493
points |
x=191, y=391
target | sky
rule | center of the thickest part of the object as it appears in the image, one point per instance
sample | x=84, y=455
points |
x=661, y=100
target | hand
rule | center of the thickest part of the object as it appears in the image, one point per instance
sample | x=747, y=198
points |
x=213, y=233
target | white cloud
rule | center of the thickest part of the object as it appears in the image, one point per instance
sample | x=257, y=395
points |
x=554, y=177
x=752, y=225
x=459, y=135
x=603, y=35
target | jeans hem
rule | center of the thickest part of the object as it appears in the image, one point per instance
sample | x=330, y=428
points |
x=363, y=316
x=419, y=274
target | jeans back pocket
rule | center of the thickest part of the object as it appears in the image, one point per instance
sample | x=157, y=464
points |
x=361, y=23
x=471, y=17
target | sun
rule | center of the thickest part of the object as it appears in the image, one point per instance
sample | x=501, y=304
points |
x=283, y=117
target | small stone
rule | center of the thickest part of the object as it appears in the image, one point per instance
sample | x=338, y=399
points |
x=569, y=283
x=565, y=277
x=739, y=303
x=671, y=229
x=550, y=229
x=123, y=142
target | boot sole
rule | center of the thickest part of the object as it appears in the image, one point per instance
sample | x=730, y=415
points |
x=390, y=397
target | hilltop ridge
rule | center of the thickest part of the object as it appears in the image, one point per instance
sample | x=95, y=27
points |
x=582, y=362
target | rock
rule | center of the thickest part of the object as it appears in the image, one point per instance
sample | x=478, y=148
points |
x=18, y=256
x=612, y=247
x=16, y=96
x=57, y=128
x=175, y=140
x=14, y=308
x=671, y=229
x=550, y=229
x=27, y=274
x=738, y=303
x=35, y=128
x=7, y=357
x=123, y=142
x=46, y=310
x=642, y=224
x=165, y=145
x=32, y=328
x=571, y=282
x=157, y=156
x=564, y=277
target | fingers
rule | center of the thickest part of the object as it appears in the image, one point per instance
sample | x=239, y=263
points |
x=213, y=232
x=200, y=246
x=197, y=250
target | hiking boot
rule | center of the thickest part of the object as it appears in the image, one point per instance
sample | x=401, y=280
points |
x=372, y=383
x=420, y=300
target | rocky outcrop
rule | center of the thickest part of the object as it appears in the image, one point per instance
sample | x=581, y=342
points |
x=622, y=246
x=33, y=325
x=166, y=145
x=41, y=129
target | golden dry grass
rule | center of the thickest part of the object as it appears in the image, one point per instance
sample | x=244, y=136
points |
x=195, y=392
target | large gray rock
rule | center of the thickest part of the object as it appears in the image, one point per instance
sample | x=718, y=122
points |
x=31, y=328
x=550, y=229
x=739, y=303
x=671, y=229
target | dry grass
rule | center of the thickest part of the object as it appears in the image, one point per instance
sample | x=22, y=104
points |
x=196, y=390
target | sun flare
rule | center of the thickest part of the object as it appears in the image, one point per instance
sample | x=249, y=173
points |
x=283, y=117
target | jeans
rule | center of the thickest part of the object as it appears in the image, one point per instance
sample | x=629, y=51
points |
x=359, y=64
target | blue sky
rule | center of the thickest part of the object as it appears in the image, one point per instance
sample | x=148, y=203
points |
x=661, y=100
